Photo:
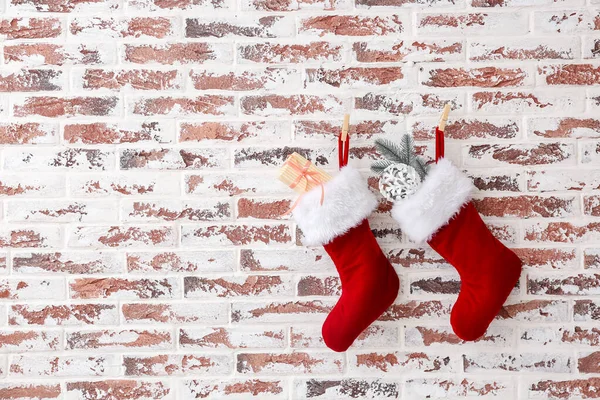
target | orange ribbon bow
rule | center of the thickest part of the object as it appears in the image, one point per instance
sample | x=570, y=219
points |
x=307, y=175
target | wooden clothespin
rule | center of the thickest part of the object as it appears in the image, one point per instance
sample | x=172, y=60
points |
x=444, y=118
x=345, y=127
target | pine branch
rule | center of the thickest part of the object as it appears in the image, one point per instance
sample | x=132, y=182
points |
x=408, y=149
x=420, y=166
x=390, y=150
x=379, y=165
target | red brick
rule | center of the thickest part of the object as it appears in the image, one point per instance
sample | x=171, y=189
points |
x=42, y=236
x=172, y=159
x=429, y=336
x=252, y=131
x=112, y=28
x=122, y=236
x=240, y=26
x=523, y=154
x=232, y=184
x=279, y=311
x=422, y=310
x=348, y=388
x=526, y=206
x=350, y=25
x=30, y=341
x=403, y=3
x=469, y=128
x=397, y=362
x=181, y=313
x=45, y=159
x=586, y=310
x=548, y=336
x=520, y=102
x=177, y=364
x=67, y=262
x=270, y=78
x=30, y=28
x=479, y=24
x=319, y=286
x=517, y=362
x=233, y=286
x=535, y=311
x=31, y=185
x=231, y=338
x=119, y=339
x=421, y=50
x=591, y=258
x=173, y=210
x=262, y=209
x=106, y=133
x=120, y=185
x=63, y=315
x=131, y=79
x=123, y=288
x=591, y=205
x=56, y=54
x=416, y=258
x=32, y=80
x=523, y=48
x=178, y=53
x=15, y=391
x=55, y=366
x=554, y=180
x=254, y=157
x=289, y=5
x=28, y=133
x=54, y=107
x=566, y=22
x=355, y=77
x=297, y=363
x=278, y=53
x=61, y=211
x=564, y=389
x=62, y=6
x=562, y=232
x=183, y=106
x=489, y=77
x=128, y=389
x=467, y=387
x=581, y=284
x=237, y=235
x=302, y=259
x=404, y=103
x=565, y=127
x=329, y=130
x=186, y=262
x=570, y=74
x=259, y=388
x=547, y=258
x=273, y=105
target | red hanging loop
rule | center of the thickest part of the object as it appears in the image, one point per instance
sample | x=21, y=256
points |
x=439, y=144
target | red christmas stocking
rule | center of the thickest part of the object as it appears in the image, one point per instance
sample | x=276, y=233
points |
x=441, y=213
x=369, y=283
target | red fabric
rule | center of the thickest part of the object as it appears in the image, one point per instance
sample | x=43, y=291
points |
x=439, y=144
x=488, y=271
x=369, y=286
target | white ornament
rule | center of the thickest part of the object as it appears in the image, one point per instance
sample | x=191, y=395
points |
x=399, y=181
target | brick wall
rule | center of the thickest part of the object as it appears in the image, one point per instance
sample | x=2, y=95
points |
x=142, y=252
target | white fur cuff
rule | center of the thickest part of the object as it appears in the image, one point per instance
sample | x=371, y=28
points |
x=442, y=194
x=347, y=202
